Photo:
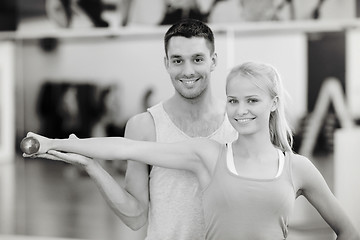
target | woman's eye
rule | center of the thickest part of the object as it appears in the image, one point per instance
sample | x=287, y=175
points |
x=232, y=101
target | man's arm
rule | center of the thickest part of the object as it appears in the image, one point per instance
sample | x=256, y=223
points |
x=140, y=127
x=124, y=205
x=130, y=204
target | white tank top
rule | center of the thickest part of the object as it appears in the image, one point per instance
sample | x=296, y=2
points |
x=175, y=196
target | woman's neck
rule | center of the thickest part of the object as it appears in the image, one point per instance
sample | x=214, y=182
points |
x=254, y=145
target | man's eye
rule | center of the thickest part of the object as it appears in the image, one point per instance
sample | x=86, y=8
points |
x=177, y=61
x=252, y=100
x=198, y=60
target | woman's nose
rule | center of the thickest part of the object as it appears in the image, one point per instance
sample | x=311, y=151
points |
x=242, y=109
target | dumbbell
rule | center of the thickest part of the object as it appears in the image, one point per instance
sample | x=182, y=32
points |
x=29, y=145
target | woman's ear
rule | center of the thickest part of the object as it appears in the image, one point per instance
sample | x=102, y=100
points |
x=275, y=103
x=213, y=61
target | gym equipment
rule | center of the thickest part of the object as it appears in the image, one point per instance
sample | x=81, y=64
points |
x=30, y=145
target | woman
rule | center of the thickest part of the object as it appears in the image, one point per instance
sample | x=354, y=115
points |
x=249, y=186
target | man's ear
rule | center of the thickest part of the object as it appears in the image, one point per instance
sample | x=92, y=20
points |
x=213, y=61
x=275, y=103
x=166, y=62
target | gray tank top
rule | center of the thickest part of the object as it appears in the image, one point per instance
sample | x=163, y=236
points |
x=237, y=207
x=175, y=195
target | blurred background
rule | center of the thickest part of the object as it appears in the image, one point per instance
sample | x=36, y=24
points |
x=87, y=66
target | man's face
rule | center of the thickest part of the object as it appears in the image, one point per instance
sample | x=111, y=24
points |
x=189, y=63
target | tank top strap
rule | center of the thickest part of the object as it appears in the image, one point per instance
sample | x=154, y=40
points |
x=166, y=131
x=230, y=158
x=157, y=112
x=231, y=164
x=288, y=167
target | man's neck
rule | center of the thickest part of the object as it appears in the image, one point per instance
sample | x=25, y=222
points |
x=196, y=118
x=192, y=108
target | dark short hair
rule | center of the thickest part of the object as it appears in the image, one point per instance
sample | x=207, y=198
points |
x=190, y=28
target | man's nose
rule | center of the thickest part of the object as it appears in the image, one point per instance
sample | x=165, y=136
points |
x=188, y=69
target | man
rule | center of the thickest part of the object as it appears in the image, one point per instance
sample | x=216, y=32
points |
x=169, y=200
x=175, y=206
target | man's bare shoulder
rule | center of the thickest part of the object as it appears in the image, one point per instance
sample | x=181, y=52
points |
x=141, y=127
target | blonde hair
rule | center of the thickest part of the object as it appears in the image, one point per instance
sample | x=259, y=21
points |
x=267, y=78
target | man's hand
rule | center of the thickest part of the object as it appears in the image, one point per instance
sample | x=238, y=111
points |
x=72, y=158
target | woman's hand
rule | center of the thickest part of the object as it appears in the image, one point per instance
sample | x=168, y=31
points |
x=72, y=158
x=42, y=145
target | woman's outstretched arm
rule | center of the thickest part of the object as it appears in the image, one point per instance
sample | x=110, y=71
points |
x=193, y=155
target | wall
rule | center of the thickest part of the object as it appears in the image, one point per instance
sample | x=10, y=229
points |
x=7, y=101
x=135, y=63
x=353, y=71
x=132, y=64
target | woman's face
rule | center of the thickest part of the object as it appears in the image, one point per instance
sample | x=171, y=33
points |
x=248, y=106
